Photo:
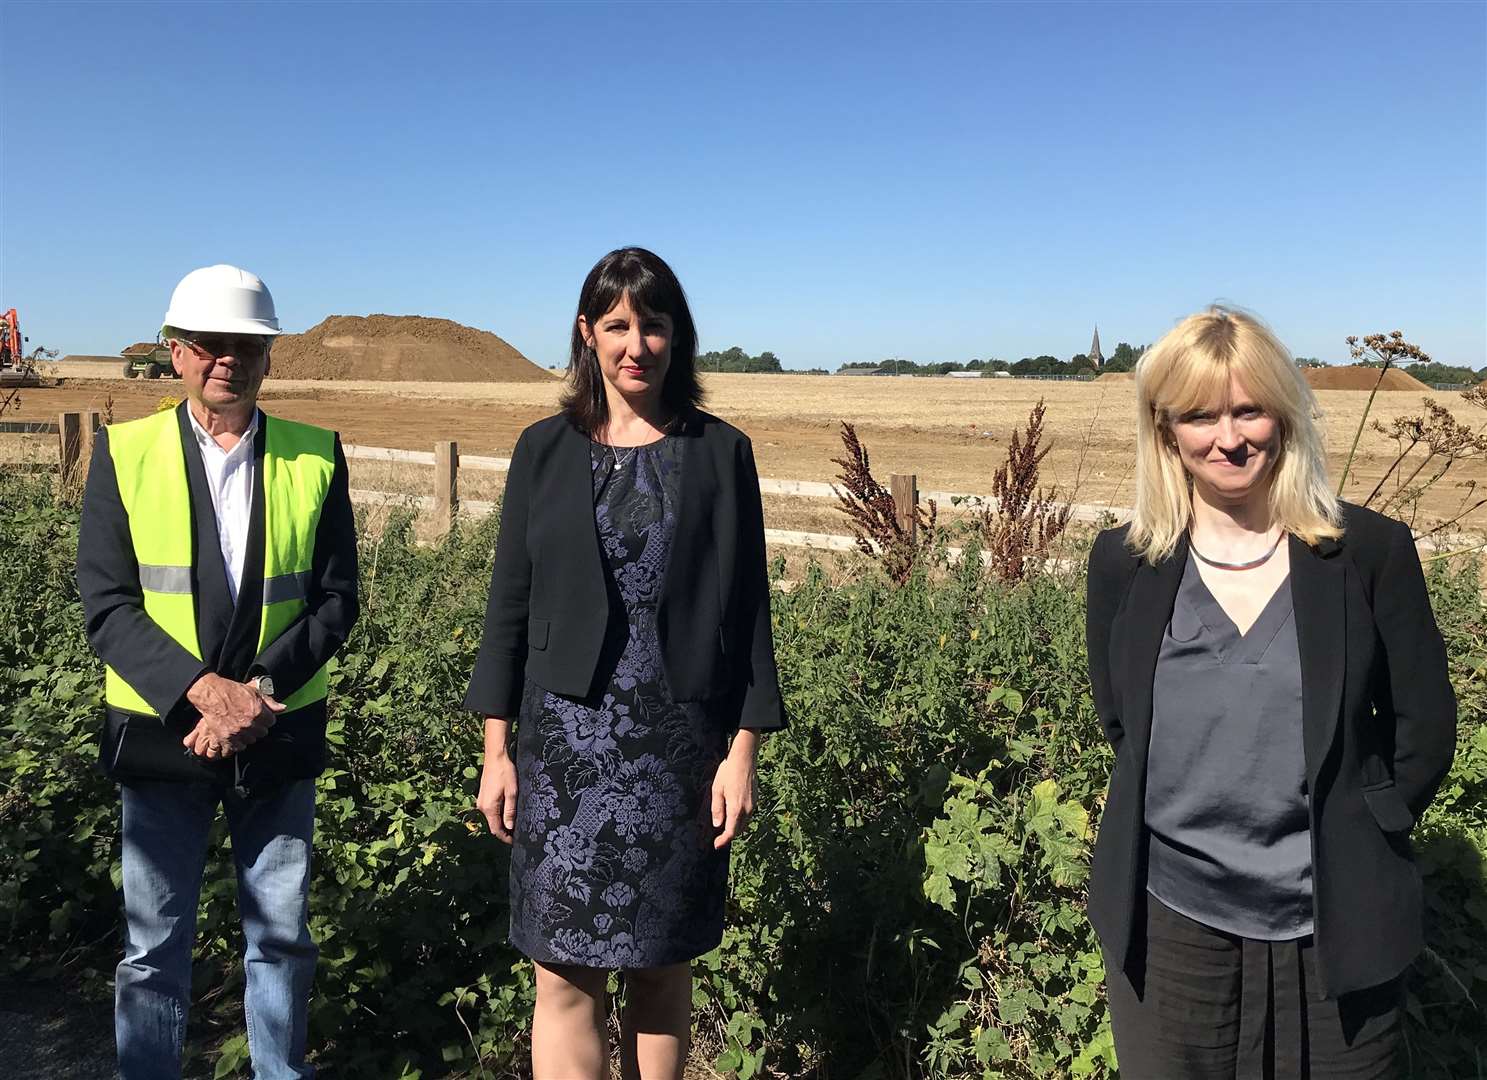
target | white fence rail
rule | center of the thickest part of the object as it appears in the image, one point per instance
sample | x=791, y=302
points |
x=805, y=489
x=1446, y=543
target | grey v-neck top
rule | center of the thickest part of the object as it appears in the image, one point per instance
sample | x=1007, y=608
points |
x=1226, y=801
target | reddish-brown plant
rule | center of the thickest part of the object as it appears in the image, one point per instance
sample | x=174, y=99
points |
x=873, y=517
x=1019, y=527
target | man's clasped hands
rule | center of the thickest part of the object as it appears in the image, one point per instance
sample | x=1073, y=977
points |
x=234, y=716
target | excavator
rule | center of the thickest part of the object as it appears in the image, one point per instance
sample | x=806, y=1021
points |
x=15, y=368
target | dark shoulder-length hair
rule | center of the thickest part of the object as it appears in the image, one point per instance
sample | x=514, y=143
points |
x=652, y=289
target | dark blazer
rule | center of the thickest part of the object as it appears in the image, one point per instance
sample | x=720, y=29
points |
x=549, y=608
x=1379, y=730
x=162, y=670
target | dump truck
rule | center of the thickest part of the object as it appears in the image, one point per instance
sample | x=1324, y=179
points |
x=148, y=360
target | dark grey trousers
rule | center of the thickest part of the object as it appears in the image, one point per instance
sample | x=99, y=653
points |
x=1208, y=1005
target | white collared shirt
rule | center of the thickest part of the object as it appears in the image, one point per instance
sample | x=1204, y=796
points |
x=230, y=478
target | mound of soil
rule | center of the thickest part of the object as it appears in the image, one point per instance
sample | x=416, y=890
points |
x=1362, y=378
x=139, y=348
x=1116, y=376
x=400, y=348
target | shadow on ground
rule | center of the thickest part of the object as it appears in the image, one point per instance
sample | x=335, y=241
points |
x=54, y=1031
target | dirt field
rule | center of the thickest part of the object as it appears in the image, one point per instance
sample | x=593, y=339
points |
x=951, y=433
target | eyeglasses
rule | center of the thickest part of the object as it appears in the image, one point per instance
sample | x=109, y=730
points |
x=215, y=346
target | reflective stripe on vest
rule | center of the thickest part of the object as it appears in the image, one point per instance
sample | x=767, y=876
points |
x=150, y=463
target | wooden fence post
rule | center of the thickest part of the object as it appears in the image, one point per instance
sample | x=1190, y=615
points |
x=905, y=490
x=446, y=484
x=69, y=444
x=92, y=421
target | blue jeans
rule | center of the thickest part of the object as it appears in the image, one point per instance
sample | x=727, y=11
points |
x=165, y=846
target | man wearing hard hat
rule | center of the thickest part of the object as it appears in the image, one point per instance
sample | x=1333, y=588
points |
x=217, y=566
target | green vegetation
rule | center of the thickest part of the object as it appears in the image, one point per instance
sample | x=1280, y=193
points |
x=735, y=359
x=1123, y=359
x=909, y=900
x=1450, y=374
x=1428, y=373
x=1079, y=365
x=895, y=366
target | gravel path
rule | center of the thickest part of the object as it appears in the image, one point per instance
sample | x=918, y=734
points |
x=51, y=1032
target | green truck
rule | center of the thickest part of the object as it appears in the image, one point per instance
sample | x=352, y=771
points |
x=148, y=360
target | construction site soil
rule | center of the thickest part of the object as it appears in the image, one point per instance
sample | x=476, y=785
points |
x=1362, y=378
x=400, y=348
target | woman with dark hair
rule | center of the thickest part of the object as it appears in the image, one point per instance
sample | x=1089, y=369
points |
x=1265, y=663
x=627, y=632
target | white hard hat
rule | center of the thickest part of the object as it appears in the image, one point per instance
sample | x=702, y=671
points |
x=222, y=299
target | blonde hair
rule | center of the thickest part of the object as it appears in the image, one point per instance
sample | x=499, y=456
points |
x=1191, y=369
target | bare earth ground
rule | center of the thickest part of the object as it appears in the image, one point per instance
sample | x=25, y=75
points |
x=952, y=433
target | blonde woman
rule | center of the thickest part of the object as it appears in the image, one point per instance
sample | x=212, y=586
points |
x=1265, y=663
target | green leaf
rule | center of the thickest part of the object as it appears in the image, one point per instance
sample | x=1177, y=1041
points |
x=232, y=1055
x=938, y=890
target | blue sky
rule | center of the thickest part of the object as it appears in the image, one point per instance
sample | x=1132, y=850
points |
x=832, y=182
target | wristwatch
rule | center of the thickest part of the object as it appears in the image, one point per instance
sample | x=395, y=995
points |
x=264, y=684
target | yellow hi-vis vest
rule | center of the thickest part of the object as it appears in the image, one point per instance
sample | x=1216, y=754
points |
x=150, y=463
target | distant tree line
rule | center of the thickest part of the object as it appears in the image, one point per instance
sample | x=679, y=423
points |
x=908, y=367
x=1123, y=359
x=1438, y=373
x=735, y=359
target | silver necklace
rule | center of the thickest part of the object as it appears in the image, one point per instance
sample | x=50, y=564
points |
x=1261, y=561
x=614, y=451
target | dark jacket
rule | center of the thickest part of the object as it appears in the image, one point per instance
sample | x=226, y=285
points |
x=1378, y=730
x=549, y=609
x=162, y=670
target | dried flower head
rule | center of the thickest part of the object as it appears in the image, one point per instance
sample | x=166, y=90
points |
x=1019, y=527
x=873, y=515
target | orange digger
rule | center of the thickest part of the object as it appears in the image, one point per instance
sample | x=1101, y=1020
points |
x=15, y=368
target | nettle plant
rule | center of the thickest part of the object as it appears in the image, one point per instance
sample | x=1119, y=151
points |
x=909, y=901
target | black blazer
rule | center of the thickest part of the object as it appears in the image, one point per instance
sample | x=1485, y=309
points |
x=1379, y=731
x=162, y=670
x=549, y=608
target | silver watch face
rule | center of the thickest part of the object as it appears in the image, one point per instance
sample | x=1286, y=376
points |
x=265, y=686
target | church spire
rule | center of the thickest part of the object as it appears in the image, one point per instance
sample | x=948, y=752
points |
x=1094, y=349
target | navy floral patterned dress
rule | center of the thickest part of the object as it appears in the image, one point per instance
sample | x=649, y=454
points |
x=613, y=863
